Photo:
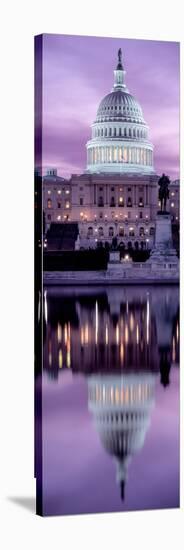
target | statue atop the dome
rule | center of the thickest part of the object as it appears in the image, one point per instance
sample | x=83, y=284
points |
x=119, y=65
x=163, y=193
x=120, y=55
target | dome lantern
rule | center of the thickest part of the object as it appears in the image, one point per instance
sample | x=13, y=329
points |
x=119, y=74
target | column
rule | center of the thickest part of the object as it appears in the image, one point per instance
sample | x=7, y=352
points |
x=94, y=193
x=146, y=194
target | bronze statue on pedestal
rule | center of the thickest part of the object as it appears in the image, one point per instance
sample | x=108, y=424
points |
x=163, y=193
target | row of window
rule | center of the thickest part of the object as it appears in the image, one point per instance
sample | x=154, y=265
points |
x=111, y=231
x=66, y=191
x=121, y=202
x=49, y=204
x=131, y=155
x=120, y=132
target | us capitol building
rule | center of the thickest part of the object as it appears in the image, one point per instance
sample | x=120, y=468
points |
x=117, y=195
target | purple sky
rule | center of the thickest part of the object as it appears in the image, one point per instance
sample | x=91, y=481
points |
x=78, y=73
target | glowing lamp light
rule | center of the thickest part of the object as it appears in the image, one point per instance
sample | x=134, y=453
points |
x=58, y=218
x=172, y=204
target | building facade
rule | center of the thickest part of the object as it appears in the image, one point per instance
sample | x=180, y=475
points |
x=117, y=195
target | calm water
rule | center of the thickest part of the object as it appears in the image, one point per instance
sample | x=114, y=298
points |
x=110, y=399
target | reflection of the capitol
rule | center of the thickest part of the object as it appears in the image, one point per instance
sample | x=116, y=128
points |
x=120, y=339
x=109, y=330
x=121, y=406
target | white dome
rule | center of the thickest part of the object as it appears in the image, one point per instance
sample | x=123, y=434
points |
x=119, y=106
x=119, y=133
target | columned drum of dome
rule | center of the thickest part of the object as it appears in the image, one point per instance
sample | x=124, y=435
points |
x=120, y=141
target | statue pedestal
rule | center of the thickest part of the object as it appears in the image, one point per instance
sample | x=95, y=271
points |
x=163, y=234
x=163, y=255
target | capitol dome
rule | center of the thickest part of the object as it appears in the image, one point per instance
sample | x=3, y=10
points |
x=120, y=140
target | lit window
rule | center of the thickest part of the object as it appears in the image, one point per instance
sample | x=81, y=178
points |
x=49, y=203
x=141, y=231
x=67, y=191
x=172, y=204
x=67, y=204
x=121, y=231
x=172, y=194
x=58, y=218
x=59, y=191
x=131, y=232
x=49, y=192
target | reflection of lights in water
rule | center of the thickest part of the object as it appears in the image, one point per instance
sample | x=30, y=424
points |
x=173, y=350
x=117, y=335
x=59, y=333
x=131, y=322
x=86, y=334
x=127, y=307
x=68, y=359
x=96, y=322
x=65, y=334
x=147, y=320
x=60, y=359
x=106, y=335
x=137, y=334
x=122, y=352
x=177, y=333
x=131, y=394
x=50, y=353
x=126, y=334
x=45, y=306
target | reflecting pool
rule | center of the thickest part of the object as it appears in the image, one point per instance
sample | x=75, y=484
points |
x=110, y=393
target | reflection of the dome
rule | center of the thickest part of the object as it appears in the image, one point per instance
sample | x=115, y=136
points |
x=121, y=407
